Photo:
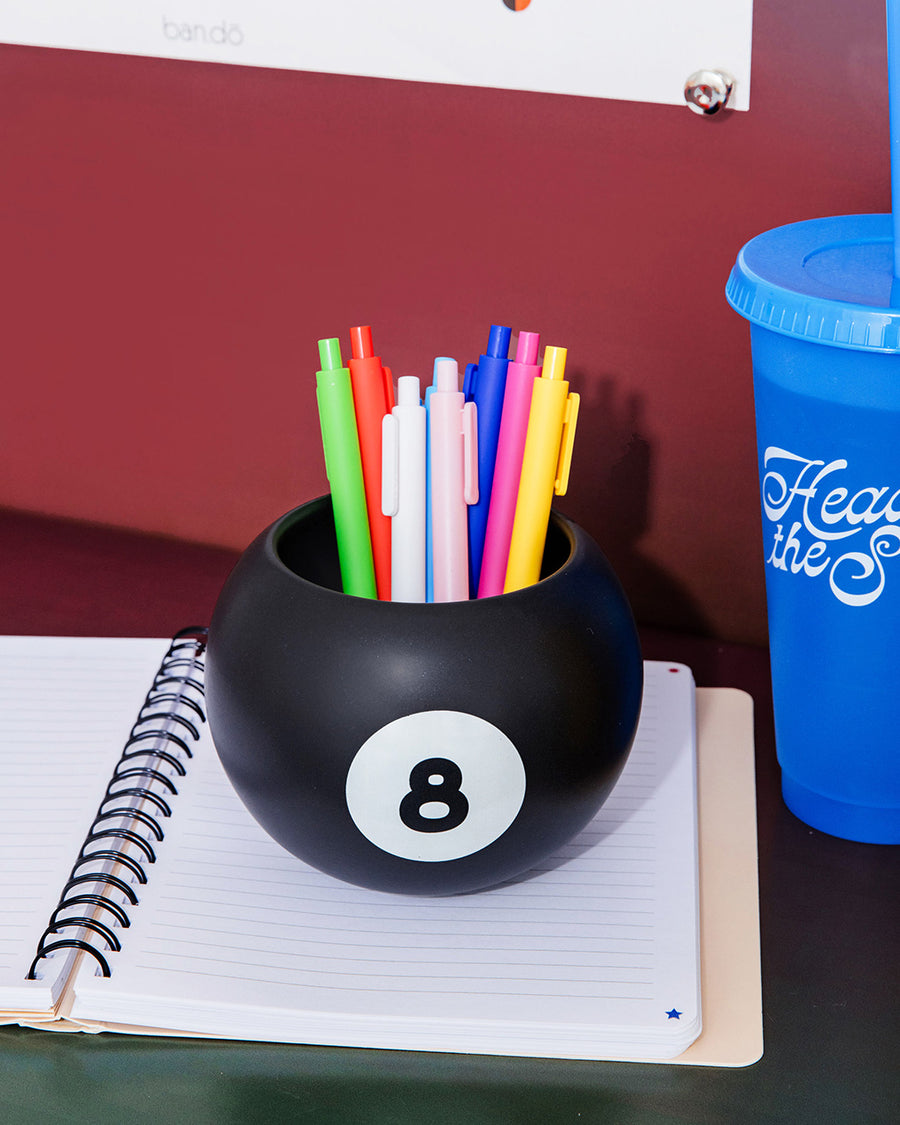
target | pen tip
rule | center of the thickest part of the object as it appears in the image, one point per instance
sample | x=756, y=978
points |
x=361, y=346
x=446, y=374
x=330, y=354
x=408, y=390
x=554, y=363
x=498, y=341
x=527, y=347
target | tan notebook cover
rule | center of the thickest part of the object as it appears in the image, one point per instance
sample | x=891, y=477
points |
x=731, y=984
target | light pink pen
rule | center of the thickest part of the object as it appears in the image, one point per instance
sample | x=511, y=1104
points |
x=454, y=480
x=520, y=378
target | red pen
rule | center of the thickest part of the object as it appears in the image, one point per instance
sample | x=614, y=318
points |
x=373, y=397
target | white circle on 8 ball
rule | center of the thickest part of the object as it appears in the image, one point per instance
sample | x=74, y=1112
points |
x=435, y=785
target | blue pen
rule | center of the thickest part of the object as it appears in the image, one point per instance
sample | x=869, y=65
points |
x=485, y=385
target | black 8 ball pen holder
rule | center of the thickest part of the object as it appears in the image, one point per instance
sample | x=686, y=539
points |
x=423, y=749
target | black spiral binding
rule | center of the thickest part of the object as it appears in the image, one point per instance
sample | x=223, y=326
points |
x=120, y=843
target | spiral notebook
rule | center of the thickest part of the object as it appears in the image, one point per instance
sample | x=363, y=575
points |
x=140, y=896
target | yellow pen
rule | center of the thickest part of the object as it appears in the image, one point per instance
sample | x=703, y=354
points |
x=545, y=468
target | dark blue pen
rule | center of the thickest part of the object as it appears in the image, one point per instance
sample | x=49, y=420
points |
x=485, y=384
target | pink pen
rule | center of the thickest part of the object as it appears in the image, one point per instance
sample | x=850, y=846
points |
x=454, y=480
x=520, y=378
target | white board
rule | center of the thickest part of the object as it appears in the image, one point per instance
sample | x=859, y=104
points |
x=642, y=50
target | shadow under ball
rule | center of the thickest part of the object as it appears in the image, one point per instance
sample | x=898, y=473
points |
x=424, y=749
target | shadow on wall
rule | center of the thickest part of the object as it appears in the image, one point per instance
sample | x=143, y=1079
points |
x=610, y=496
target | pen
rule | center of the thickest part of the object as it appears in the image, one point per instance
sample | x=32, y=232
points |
x=484, y=384
x=454, y=481
x=373, y=397
x=334, y=395
x=403, y=490
x=520, y=378
x=545, y=468
x=429, y=543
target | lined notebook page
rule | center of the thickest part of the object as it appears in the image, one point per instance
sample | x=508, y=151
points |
x=66, y=707
x=589, y=957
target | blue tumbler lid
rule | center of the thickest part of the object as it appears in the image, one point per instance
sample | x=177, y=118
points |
x=827, y=281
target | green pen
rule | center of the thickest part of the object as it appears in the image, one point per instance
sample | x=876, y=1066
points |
x=343, y=467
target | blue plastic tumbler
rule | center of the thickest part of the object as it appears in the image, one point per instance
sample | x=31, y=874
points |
x=825, y=342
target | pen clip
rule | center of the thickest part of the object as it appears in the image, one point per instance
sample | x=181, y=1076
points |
x=320, y=400
x=470, y=452
x=390, y=466
x=469, y=381
x=389, y=400
x=566, y=443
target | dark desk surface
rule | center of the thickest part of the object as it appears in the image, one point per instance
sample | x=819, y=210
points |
x=830, y=918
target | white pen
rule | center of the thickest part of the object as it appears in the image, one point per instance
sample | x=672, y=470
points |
x=454, y=480
x=403, y=490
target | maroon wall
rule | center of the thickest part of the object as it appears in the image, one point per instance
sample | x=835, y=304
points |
x=176, y=236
